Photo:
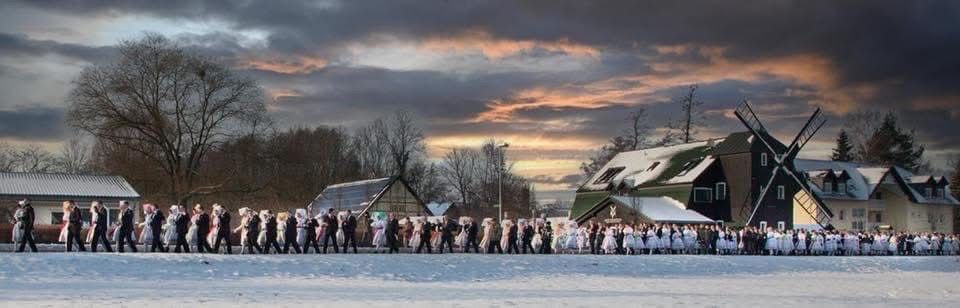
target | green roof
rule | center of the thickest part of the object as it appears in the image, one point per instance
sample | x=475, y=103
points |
x=675, y=165
x=584, y=201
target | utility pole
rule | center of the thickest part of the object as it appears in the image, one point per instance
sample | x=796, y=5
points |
x=500, y=150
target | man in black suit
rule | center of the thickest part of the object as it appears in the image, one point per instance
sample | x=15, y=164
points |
x=74, y=225
x=156, y=223
x=526, y=236
x=311, y=229
x=27, y=226
x=181, y=223
x=126, y=228
x=392, y=231
x=592, y=231
x=512, y=235
x=99, y=225
x=472, y=232
x=223, y=229
x=330, y=231
x=349, y=232
x=425, y=236
x=203, y=229
x=446, y=234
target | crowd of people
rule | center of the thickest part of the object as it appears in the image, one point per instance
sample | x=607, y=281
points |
x=266, y=232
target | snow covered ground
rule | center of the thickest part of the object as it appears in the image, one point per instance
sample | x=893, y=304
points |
x=165, y=280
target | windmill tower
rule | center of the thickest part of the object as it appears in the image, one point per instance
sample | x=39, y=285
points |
x=783, y=167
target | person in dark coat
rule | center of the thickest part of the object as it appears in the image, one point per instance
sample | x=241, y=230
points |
x=98, y=221
x=330, y=225
x=126, y=228
x=526, y=236
x=496, y=233
x=270, y=227
x=253, y=231
x=290, y=235
x=546, y=233
x=447, y=227
x=203, y=229
x=156, y=223
x=181, y=223
x=512, y=236
x=311, y=230
x=592, y=231
x=392, y=232
x=425, y=236
x=472, y=233
x=27, y=226
x=223, y=228
x=350, y=232
x=74, y=225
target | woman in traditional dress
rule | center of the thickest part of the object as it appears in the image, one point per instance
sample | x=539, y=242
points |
x=638, y=242
x=170, y=227
x=629, y=240
x=830, y=244
x=689, y=239
x=379, y=237
x=801, y=248
x=676, y=240
x=653, y=242
x=417, y=231
x=487, y=226
x=816, y=243
x=880, y=244
x=773, y=241
x=282, y=218
x=892, y=242
x=665, y=244
x=18, y=217
x=609, y=244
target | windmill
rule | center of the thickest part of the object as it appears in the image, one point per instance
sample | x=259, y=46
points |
x=783, y=162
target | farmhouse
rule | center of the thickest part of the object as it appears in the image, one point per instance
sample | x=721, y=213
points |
x=718, y=178
x=376, y=197
x=870, y=197
x=47, y=191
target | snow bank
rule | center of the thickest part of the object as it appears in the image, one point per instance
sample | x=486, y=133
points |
x=472, y=280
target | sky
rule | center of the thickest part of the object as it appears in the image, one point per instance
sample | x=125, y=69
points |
x=554, y=78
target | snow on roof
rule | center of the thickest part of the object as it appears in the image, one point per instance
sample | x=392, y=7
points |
x=65, y=185
x=661, y=209
x=354, y=196
x=438, y=208
x=865, y=179
x=643, y=166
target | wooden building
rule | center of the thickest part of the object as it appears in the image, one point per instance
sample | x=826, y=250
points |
x=47, y=191
x=374, y=197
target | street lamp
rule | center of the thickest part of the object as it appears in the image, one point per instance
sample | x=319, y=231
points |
x=500, y=163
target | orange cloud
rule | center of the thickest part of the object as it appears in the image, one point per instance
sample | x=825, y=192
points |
x=498, y=48
x=285, y=65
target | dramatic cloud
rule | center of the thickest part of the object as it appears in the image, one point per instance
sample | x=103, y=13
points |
x=555, y=78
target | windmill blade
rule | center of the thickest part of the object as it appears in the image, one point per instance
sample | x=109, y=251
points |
x=814, y=123
x=763, y=193
x=752, y=122
x=823, y=214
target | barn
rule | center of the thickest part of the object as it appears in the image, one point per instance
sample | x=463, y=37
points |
x=47, y=191
x=390, y=195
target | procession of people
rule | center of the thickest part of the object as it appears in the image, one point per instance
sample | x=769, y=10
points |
x=185, y=230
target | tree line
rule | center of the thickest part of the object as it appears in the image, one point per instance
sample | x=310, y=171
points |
x=185, y=128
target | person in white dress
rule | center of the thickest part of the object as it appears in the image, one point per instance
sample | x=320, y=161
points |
x=379, y=237
x=773, y=241
x=786, y=243
x=665, y=244
x=609, y=244
x=629, y=241
x=417, y=231
x=801, y=248
x=487, y=226
x=571, y=236
x=638, y=243
x=721, y=242
x=689, y=239
x=653, y=242
x=816, y=244
x=880, y=244
x=18, y=217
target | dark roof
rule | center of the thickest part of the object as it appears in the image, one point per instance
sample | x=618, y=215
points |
x=354, y=196
x=65, y=185
x=742, y=142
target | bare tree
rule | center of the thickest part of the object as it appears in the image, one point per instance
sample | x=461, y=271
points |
x=7, y=163
x=34, y=159
x=74, y=156
x=860, y=126
x=371, y=150
x=637, y=134
x=404, y=140
x=685, y=129
x=170, y=106
x=459, y=171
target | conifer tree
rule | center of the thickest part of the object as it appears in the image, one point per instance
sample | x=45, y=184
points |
x=844, y=149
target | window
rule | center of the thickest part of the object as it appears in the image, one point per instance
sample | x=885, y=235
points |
x=841, y=214
x=653, y=166
x=858, y=213
x=608, y=175
x=781, y=193
x=702, y=195
x=781, y=225
x=828, y=186
x=929, y=192
x=857, y=225
x=878, y=196
x=940, y=193
x=841, y=187
x=688, y=166
x=763, y=159
x=763, y=225
x=721, y=188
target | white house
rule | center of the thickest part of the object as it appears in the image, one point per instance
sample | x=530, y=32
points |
x=47, y=191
